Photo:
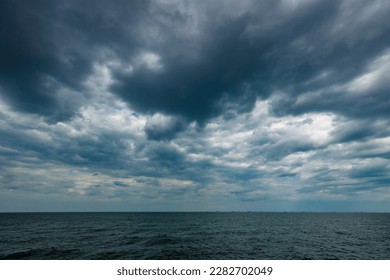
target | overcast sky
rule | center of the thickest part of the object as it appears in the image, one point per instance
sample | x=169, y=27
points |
x=195, y=105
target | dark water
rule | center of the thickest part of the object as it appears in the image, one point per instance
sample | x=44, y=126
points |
x=195, y=236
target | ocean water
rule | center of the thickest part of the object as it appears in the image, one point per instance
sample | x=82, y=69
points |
x=195, y=236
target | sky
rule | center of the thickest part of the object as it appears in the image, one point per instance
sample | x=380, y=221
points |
x=195, y=105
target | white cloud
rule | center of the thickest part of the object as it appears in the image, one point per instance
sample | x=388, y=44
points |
x=150, y=60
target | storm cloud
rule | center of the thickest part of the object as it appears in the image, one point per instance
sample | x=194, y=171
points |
x=195, y=105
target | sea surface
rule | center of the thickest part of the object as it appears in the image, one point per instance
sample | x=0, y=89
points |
x=205, y=235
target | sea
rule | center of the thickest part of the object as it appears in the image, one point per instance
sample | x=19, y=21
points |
x=192, y=235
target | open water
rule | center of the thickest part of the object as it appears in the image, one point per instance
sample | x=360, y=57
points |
x=195, y=236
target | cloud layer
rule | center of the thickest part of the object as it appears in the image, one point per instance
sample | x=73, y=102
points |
x=195, y=105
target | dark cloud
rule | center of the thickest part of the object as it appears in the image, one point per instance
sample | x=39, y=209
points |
x=31, y=70
x=195, y=61
x=46, y=47
x=360, y=130
x=371, y=171
x=164, y=129
x=190, y=87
